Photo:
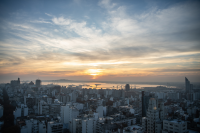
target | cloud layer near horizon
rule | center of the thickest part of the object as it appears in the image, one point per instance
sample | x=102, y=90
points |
x=120, y=42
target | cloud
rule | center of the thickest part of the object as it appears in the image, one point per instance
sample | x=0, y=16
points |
x=79, y=28
x=177, y=70
x=107, y=4
x=157, y=38
x=40, y=21
x=49, y=15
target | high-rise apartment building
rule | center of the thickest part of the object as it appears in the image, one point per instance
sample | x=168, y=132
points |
x=127, y=87
x=145, y=103
x=188, y=86
x=151, y=123
x=38, y=83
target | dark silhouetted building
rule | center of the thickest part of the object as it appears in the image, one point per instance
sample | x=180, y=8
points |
x=15, y=82
x=145, y=103
x=188, y=86
x=31, y=83
x=127, y=87
x=38, y=83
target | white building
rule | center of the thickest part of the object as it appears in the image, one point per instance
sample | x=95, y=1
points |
x=100, y=111
x=144, y=124
x=68, y=113
x=43, y=108
x=17, y=112
x=152, y=116
x=89, y=126
x=174, y=126
x=24, y=110
x=46, y=109
x=65, y=113
x=77, y=126
x=73, y=96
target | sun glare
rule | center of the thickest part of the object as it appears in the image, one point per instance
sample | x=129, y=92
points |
x=94, y=72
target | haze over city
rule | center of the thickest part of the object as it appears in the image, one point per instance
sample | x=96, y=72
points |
x=99, y=66
x=105, y=40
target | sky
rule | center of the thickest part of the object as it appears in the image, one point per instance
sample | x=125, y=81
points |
x=100, y=40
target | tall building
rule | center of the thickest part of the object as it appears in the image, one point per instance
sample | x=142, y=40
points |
x=188, y=86
x=1, y=110
x=89, y=126
x=145, y=103
x=127, y=87
x=38, y=83
x=152, y=121
x=68, y=113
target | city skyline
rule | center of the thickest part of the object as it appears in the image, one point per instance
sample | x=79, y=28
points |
x=105, y=40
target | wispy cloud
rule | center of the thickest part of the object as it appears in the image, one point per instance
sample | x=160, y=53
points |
x=40, y=21
x=152, y=41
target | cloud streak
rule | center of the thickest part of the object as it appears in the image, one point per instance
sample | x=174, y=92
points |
x=155, y=39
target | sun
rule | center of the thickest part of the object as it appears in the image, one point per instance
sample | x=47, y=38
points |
x=94, y=72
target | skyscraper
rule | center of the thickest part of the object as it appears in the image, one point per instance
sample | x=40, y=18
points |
x=150, y=123
x=188, y=86
x=127, y=87
x=38, y=82
x=145, y=103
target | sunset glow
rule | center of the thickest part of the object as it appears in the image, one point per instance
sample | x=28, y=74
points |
x=100, y=40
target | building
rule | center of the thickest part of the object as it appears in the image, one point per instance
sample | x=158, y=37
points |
x=30, y=101
x=54, y=127
x=173, y=96
x=118, y=93
x=152, y=122
x=68, y=113
x=196, y=96
x=1, y=110
x=89, y=125
x=188, y=86
x=20, y=111
x=144, y=124
x=31, y=83
x=145, y=103
x=174, y=126
x=99, y=110
x=127, y=87
x=49, y=109
x=38, y=83
x=15, y=82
